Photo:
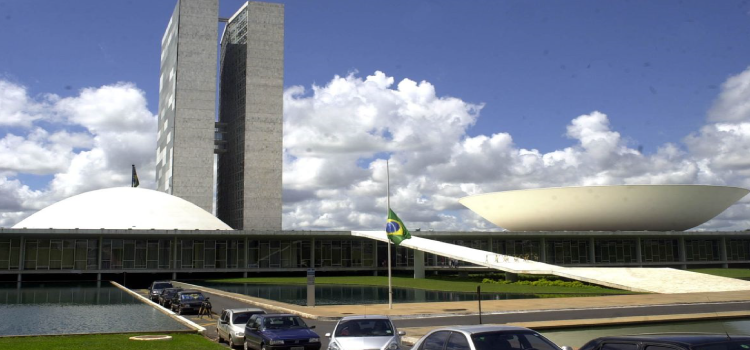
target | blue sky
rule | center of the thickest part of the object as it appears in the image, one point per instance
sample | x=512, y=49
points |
x=653, y=67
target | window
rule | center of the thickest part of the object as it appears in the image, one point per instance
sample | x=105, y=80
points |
x=619, y=346
x=364, y=328
x=435, y=341
x=505, y=340
x=660, y=347
x=457, y=341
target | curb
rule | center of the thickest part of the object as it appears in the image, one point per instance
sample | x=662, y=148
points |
x=244, y=298
x=190, y=324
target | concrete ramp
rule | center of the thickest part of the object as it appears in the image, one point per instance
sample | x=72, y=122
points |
x=651, y=280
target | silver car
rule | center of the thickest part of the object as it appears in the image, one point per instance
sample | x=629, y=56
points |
x=484, y=337
x=231, y=325
x=365, y=332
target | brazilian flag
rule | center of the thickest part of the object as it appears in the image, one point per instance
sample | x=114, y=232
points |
x=395, y=228
x=134, y=179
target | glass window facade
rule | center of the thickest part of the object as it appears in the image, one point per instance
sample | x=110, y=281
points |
x=702, y=250
x=568, y=251
x=60, y=254
x=738, y=249
x=257, y=254
x=660, y=250
x=616, y=251
x=10, y=253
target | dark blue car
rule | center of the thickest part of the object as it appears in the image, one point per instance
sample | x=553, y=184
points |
x=279, y=332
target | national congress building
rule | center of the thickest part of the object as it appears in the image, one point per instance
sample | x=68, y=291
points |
x=172, y=230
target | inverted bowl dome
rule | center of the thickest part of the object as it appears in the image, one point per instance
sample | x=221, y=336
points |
x=124, y=208
x=605, y=208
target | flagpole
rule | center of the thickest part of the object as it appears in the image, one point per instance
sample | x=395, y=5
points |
x=388, y=242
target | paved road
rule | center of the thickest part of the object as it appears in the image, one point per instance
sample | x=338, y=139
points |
x=576, y=314
x=219, y=303
x=321, y=327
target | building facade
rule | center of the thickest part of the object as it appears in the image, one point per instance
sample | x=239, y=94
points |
x=247, y=138
x=187, y=103
x=251, y=118
x=61, y=251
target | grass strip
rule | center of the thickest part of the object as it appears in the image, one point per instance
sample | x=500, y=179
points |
x=431, y=283
x=743, y=274
x=108, y=342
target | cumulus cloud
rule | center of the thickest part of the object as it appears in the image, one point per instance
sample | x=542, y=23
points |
x=83, y=143
x=16, y=108
x=733, y=103
x=337, y=137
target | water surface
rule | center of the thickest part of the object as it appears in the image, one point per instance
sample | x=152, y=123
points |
x=356, y=295
x=66, y=308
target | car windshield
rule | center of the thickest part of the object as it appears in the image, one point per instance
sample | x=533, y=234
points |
x=162, y=285
x=364, y=328
x=192, y=296
x=283, y=322
x=243, y=317
x=511, y=341
x=729, y=345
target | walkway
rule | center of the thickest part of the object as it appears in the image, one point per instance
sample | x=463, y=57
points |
x=545, y=313
x=639, y=279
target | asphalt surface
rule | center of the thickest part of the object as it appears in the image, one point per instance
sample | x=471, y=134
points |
x=220, y=303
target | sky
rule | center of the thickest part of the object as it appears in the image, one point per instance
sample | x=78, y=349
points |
x=463, y=97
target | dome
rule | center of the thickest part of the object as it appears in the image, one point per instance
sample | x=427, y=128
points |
x=124, y=208
x=605, y=208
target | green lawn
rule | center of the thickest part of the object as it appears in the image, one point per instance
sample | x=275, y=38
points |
x=455, y=284
x=743, y=274
x=108, y=342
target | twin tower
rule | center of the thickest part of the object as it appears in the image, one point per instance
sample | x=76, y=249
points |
x=246, y=138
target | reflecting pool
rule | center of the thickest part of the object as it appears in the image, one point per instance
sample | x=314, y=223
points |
x=355, y=295
x=67, y=308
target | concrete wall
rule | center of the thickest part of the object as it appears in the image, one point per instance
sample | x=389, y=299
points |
x=264, y=116
x=186, y=144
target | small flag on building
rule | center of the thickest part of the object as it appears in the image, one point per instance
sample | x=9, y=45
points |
x=134, y=181
x=395, y=228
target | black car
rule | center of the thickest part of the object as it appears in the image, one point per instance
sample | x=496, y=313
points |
x=187, y=300
x=279, y=331
x=156, y=287
x=670, y=341
x=165, y=298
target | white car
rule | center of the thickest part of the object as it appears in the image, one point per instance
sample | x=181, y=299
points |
x=487, y=337
x=231, y=325
x=367, y=332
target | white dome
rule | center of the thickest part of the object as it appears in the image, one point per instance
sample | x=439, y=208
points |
x=124, y=208
x=605, y=208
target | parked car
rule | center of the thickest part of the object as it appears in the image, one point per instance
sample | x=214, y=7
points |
x=670, y=341
x=187, y=300
x=365, y=333
x=165, y=298
x=279, y=331
x=156, y=287
x=484, y=338
x=231, y=324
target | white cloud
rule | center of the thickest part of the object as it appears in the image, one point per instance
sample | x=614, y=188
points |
x=87, y=142
x=337, y=136
x=733, y=104
x=336, y=140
